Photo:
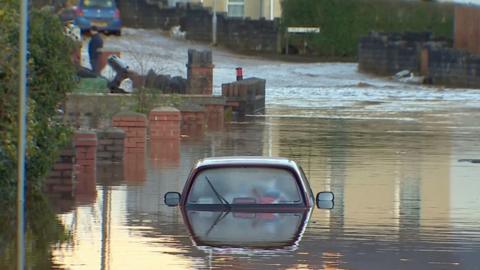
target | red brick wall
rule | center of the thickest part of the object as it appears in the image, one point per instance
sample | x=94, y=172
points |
x=135, y=127
x=110, y=145
x=245, y=96
x=164, y=123
x=215, y=116
x=200, y=80
x=467, y=28
x=85, y=156
x=193, y=122
x=60, y=181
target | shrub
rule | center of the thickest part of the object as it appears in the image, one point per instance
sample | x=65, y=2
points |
x=50, y=77
x=343, y=22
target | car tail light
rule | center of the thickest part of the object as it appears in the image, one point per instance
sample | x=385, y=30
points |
x=117, y=13
x=79, y=12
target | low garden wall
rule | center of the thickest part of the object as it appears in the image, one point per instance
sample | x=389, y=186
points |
x=452, y=67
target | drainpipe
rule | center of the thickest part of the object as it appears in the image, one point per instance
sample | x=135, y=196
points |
x=22, y=134
x=261, y=11
x=271, y=10
x=214, y=23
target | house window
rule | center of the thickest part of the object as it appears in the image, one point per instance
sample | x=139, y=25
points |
x=236, y=8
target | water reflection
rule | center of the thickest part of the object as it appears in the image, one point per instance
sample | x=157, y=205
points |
x=43, y=229
x=85, y=190
x=402, y=200
x=246, y=231
x=134, y=167
x=165, y=153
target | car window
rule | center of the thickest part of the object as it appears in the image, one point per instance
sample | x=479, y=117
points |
x=245, y=185
x=98, y=3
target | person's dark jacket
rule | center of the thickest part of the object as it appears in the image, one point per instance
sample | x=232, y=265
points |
x=95, y=43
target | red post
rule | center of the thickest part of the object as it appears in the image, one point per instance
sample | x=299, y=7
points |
x=239, y=73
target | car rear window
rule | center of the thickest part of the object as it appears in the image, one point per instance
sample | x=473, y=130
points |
x=245, y=186
x=98, y=3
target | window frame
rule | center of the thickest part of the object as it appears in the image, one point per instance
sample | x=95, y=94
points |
x=236, y=3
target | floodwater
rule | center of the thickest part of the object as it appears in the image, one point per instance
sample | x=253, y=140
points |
x=390, y=152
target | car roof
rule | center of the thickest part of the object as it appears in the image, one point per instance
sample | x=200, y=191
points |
x=246, y=160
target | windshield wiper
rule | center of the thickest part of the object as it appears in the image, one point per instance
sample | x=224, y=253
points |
x=219, y=197
x=219, y=218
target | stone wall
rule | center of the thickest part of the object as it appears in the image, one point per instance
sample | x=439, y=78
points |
x=387, y=54
x=96, y=110
x=249, y=35
x=197, y=24
x=110, y=145
x=240, y=34
x=452, y=67
x=237, y=34
x=140, y=14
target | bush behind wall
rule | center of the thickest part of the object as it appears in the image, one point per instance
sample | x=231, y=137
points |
x=343, y=22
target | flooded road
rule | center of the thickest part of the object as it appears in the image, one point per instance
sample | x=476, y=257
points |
x=389, y=152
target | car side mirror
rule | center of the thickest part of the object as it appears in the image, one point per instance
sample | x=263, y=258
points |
x=172, y=198
x=325, y=200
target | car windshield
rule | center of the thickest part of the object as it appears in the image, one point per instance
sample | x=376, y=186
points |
x=245, y=186
x=98, y=4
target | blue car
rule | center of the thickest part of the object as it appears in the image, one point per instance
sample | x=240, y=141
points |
x=103, y=14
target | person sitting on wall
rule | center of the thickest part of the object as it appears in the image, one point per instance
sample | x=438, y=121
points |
x=94, y=46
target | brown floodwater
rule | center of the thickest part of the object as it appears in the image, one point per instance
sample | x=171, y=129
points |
x=403, y=198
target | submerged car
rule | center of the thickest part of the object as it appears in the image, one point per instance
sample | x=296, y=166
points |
x=103, y=14
x=225, y=197
x=247, y=183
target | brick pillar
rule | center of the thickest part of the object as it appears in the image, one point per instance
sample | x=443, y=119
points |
x=164, y=123
x=134, y=125
x=215, y=116
x=193, y=121
x=199, y=72
x=85, y=155
x=110, y=145
x=245, y=97
x=60, y=180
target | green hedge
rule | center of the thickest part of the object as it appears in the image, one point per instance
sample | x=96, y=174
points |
x=51, y=75
x=343, y=22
